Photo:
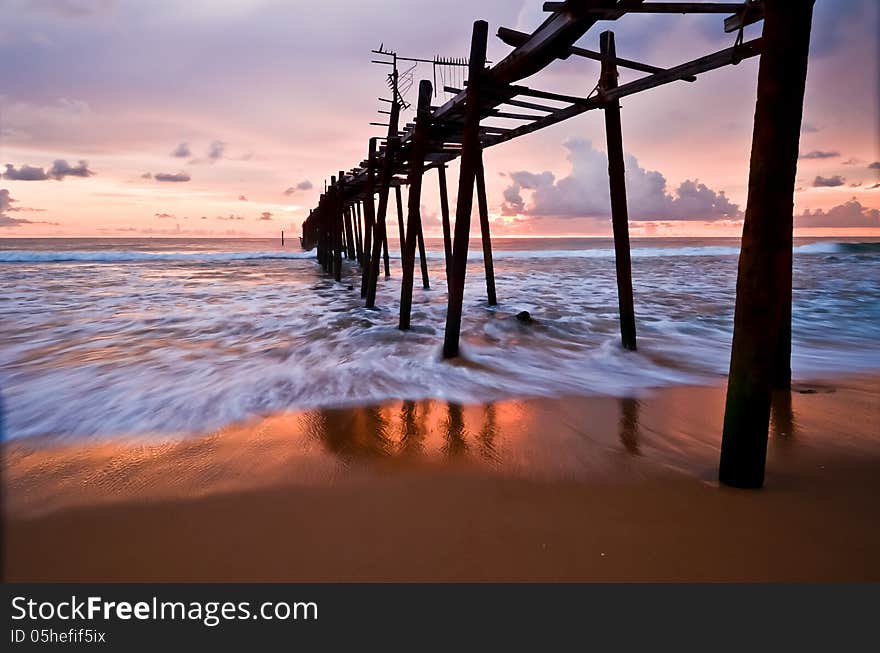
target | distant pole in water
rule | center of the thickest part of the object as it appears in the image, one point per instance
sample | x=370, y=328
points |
x=282, y=237
x=762, y=322
x=617, y=184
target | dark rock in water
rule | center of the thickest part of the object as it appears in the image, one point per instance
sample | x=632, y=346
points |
x=525, y=317
x=351, y=287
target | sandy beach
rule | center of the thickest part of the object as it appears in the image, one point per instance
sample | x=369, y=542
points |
x=569, y=489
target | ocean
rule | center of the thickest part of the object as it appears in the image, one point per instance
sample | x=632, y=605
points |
x=106, y=338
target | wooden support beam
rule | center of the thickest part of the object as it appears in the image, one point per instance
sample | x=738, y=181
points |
x=369, y=219
x=718, y=59
x=423, y=257
x=558, y=32
x=470, y=156
x=358, y=233
x=400, y=228
x=749, y=13
x=515, y=38
x=760, y=353
x=483, y=206
x=380, y=236
x=385, y=255
x=530, y=105
x=605, y=13
x=617, y=182
x=336, y=227
x=349, y=235
x=444, y=218
x=414, y=220
x=513, y=90
x=495, y=113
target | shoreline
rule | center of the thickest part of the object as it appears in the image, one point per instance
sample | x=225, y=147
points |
x=575, y=488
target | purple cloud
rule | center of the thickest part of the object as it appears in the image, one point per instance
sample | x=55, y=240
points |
x=172, y=176
x=828, y=182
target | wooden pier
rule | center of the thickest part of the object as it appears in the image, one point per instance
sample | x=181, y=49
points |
x=350, y=224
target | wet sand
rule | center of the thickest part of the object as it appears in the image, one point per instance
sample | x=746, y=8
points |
x=591, y=489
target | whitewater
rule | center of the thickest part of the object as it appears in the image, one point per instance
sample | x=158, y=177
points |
x=158, y=338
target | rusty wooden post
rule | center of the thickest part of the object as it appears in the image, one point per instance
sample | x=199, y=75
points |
x=470, y=156
x=336, y=226
x=324, y=233
x=369, y=218
x=358, y=233
x=400, y=227
x=414, y=219
x=617, y=183
x=349, y=234
x=385, y=255
x=761, y=337
x=444, y=218
x=484, y=231
x=380, y=236
x=423, y=257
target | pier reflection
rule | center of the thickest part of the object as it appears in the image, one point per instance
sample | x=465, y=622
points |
x=782, y=422
x=628, y=426
x=429, y=429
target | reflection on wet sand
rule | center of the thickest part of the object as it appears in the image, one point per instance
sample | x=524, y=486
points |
x=573, y=438
x=629, y=425
x=409, y=429
x=782, y=422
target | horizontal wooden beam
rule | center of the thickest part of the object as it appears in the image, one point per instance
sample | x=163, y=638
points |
x=558, y=32
x=544, y=95
x=648, y=8
x=750, y=13
x=718, y=59
x=513, y=116
x=515, y=38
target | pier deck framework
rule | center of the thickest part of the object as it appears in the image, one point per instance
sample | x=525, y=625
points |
x=349, y=221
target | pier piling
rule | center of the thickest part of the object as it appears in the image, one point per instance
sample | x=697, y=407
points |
x=617, y=184
x=762, y=321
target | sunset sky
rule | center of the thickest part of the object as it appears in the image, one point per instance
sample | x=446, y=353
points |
x=224, y=118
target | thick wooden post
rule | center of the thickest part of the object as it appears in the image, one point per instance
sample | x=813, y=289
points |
x=414, y=218
x=444, y=217
x=369, y=218
x=470, y=157
x=484, y=231
x=380, y=237
x=762, y=320
x=617, y=183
